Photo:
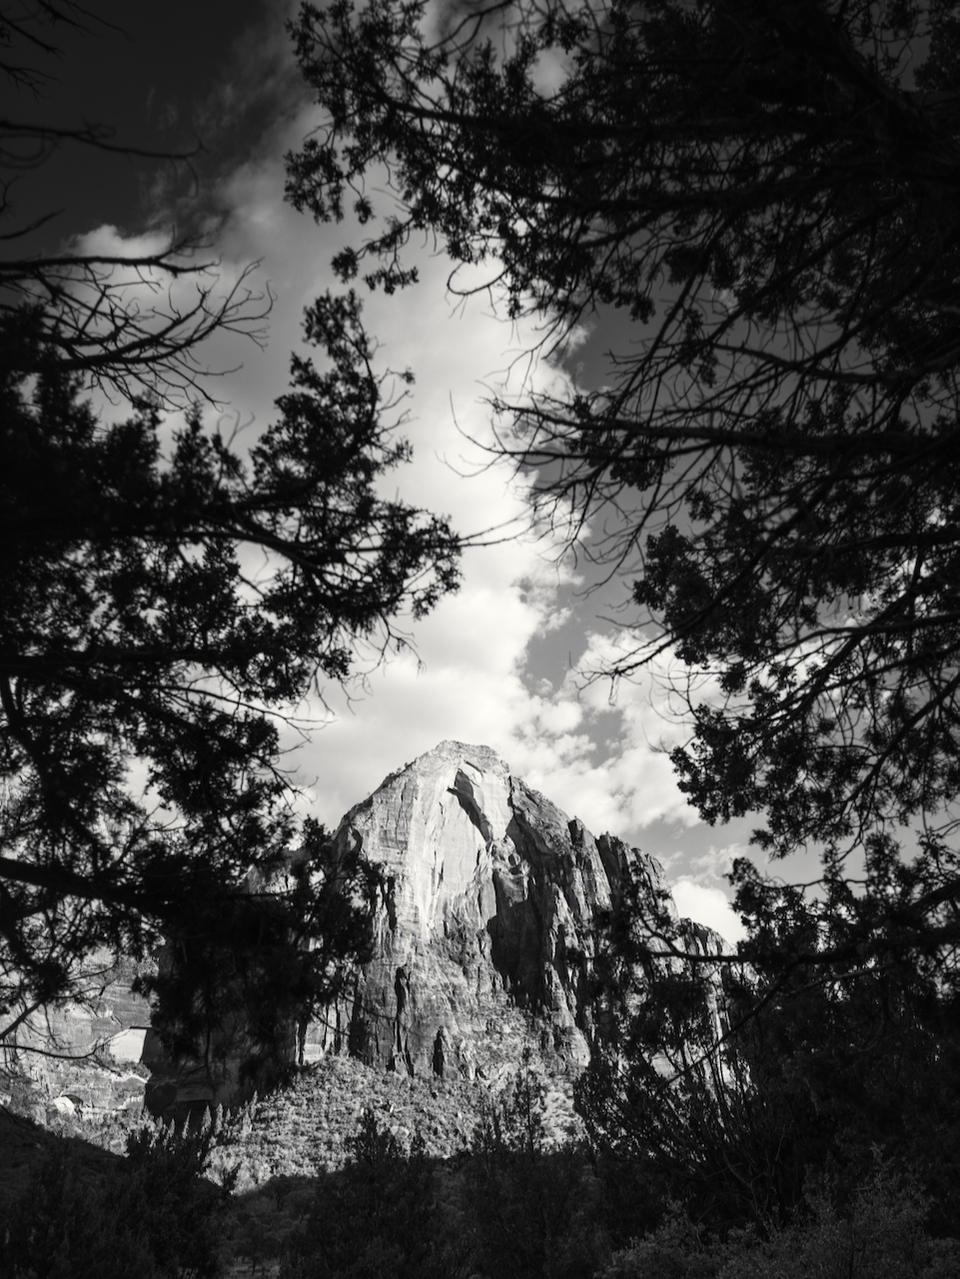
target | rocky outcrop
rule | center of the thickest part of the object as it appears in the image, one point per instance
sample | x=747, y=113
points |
x=82, y=1057
x=487, y=931
x=486, y=936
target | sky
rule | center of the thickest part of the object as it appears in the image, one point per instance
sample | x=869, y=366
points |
x=496, y=664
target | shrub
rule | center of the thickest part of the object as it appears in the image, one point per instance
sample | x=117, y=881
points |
x=878, y=1233
x=150, y=1215
x=534, y=1204
x=372, y=1218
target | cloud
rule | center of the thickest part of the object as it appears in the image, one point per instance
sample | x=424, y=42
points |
x=480, y=671
x=703, y=892
x=717, y=862
x=621, y=778
x=472, y=676
x=709, y=906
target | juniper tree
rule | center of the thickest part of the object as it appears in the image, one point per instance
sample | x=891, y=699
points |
x=758, y=199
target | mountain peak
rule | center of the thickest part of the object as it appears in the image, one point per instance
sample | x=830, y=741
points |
x=488, y=928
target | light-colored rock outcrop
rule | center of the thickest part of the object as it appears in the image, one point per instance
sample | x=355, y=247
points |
x=85, y=1054
x=486, y=934
x=488, y=927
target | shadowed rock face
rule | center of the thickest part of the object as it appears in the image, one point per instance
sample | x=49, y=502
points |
x=487, y=929
x=485, y=937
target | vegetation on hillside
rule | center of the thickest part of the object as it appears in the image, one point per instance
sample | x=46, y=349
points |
x=511, y=1201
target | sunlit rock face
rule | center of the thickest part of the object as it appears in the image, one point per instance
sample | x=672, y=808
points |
x=486, y=933
x=81, y=1058
x=487, y=929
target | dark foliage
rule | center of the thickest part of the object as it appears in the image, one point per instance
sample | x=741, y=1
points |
x=159, y=607
x=878, y=1234
x=734, y=1088
x=375, y=1217
x=241, y=971
x=765, y=196
x=534, y=1204
x=150, y=1215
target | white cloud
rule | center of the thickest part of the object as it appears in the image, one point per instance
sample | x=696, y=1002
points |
x=604, y=761
x=717, y=862
x=621, y=778
x=708, y=905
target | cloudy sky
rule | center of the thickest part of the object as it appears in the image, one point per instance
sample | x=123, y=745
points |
x=495, y=664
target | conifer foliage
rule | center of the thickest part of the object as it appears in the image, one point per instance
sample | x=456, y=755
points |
x=160, y=603
x=167, y=595
x=151, y=1215
x=758, y=201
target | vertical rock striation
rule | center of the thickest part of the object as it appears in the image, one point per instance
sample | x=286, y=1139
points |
x=488, y=926
x=486, y=936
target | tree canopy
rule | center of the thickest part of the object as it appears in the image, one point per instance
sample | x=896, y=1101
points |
x=158, y=608
x=762, y=194
x=124, y=318
x=733, y=1088
x=170, y=596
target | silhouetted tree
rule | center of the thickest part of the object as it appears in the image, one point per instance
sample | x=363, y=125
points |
x=127, y=321
x=530, y=1195
x=151, y=1214
x=758, y=198
x=159, y=607
x=735, y=1087
x=376, y=1216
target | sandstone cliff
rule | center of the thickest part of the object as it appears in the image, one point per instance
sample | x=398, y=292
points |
x=486, y=934
x=488, y=927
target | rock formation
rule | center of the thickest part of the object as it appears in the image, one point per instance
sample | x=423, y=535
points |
x=485, y=933
x=81, y=1058
x=488, y=927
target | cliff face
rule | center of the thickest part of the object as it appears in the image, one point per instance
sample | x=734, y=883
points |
x=486, y=935
x=81, y=1058
x=488, y=928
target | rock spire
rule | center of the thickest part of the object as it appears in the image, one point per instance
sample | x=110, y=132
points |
x=487, y=929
